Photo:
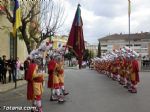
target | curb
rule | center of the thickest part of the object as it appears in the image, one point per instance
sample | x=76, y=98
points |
x=11, y=86
x=70, y=68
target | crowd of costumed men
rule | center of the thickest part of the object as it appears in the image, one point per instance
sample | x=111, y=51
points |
x=120, y=65
x=42, y=58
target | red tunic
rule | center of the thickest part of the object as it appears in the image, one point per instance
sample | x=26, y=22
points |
x=51, y=68
x=30, y=95
x=136, y=70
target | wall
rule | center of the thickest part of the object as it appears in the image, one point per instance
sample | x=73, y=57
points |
x=4, y=37
x=5, y=41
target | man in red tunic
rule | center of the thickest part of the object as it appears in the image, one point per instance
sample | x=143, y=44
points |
x=26, y=65
x=134, y=75
x=61, y=75
x=51, y=68
x=122, y=71
x=29, y=74
x=34, y=86
x=53, y=81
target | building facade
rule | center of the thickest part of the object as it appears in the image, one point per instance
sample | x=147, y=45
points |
x=140, y=42
x=59, y=41
x=92, y=48
x=7, y=42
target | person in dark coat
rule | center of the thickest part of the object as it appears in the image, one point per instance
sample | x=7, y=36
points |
x=12, y=68
x=4, y=69
x=26, y=66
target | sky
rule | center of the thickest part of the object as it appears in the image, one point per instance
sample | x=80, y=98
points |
x=106, y=17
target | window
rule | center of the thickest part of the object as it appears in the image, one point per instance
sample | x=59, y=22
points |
x=144, y=46
x=137, y=45
x=144, y=50
x=103, y=51
x=128, y=45
x=103, y=45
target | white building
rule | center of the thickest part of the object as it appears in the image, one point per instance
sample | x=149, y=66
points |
x=140, y=42
x=92, y=47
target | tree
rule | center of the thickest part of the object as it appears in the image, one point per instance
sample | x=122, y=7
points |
x=40, y=20
x=86, y=55
x=91, y=54
x=99, y=50
x=69, y=56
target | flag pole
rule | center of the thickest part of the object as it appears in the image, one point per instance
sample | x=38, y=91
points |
x=129, y=12
x=16, y=25
x=76, y=38
x=16, y=60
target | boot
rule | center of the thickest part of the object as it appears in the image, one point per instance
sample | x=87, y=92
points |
x=65, y=93
x=34, y=105
x=122, y=82
x=34, y=110
x=133, y=90
x=40, y=109
x=61, y=99
x=127, y=86
x=52, y=98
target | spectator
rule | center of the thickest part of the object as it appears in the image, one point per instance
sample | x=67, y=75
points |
x=4, y=69
x=18, y=63
x=26, y=66
x=12, y=69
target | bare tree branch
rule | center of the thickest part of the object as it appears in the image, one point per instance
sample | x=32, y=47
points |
x=5, y=4
x=38, y=17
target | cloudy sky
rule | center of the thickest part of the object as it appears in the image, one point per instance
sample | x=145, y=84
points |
x=104, y=17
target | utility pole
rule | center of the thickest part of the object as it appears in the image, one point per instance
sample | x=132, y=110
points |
x=129, y=12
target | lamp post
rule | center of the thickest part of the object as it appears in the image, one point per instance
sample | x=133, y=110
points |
x=129, y=12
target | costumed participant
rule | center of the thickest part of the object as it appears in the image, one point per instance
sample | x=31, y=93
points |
x=134, y=70
x=134, y=75
x=128, y=67
x=26, y=65
x=115, y=69
x=122, y=71
x=56, y=81
x=51, y=68
x=61, y=75
x=109, y=68
x=53, y=81
x=114, y=77
x=34, y=86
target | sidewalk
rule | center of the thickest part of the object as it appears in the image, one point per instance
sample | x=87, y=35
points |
x=74, y=67
x=11, y=85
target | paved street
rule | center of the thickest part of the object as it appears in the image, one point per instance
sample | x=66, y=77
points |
x=89, y=92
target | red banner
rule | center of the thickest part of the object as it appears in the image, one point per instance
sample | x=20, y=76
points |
x=76, y=38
